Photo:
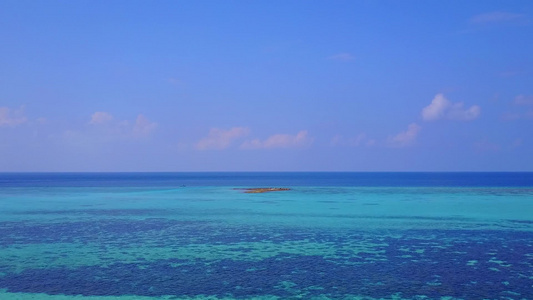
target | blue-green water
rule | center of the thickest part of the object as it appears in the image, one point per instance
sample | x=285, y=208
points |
x=332, y=236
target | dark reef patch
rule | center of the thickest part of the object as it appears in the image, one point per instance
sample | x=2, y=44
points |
x=463, y=264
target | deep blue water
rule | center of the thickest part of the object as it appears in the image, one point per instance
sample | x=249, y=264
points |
x=354, y=179
x=332, y=236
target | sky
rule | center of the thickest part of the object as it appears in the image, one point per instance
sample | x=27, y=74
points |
x=103, y=86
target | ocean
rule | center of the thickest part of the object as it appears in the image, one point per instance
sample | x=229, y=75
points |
x=125, y=236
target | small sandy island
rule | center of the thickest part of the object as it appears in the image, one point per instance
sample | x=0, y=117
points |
x=263, y=190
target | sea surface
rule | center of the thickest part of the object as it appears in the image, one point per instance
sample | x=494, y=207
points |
x=125, y=236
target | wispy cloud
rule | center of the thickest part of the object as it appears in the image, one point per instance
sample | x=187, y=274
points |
x=342, y=57
x=523, y=100
x=100, y=117
x=516, y=143
x=485, y=145
x=522, y=110
x=106, y=124
x=511, y=73
x=143, y=126
x=497, y=17
x=12, y=118
x=219, y=139
x=405, y=138
x=175, y=81
x=510, y=116
x=41, y=120
x=359, y=140
x=301, y=139
x=442, y=108
x=458, y=113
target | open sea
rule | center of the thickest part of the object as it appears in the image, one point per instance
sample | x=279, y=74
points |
x=125, y=236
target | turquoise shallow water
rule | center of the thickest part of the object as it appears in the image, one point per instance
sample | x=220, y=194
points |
x=165, y=237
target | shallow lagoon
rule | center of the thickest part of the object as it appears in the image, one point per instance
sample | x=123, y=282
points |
x=185, y=236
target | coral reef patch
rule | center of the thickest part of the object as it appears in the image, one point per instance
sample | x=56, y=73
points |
x=263, y=190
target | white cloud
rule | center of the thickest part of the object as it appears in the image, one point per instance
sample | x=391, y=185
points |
x=219, y=139
x=442, y=108
x=342, y=57
x=457, y=112
x=12, y=118
x=436, y=109
x=301, y=139
x=405, y=138
x=523, y=100
x=100, y=117
x=143, y=126
x=497, y=17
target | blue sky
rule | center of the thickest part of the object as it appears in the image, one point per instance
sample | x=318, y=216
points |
x=266, y=85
